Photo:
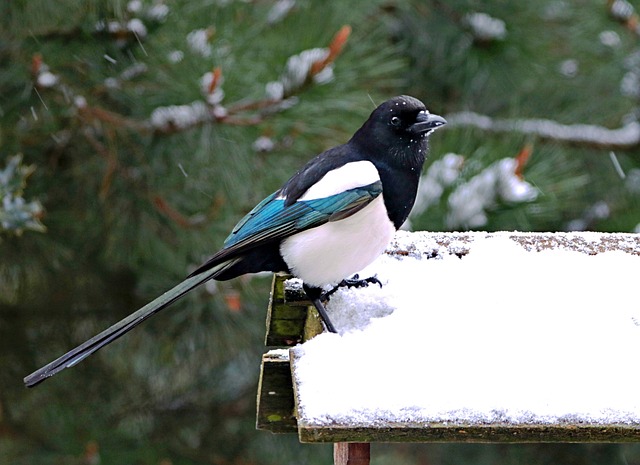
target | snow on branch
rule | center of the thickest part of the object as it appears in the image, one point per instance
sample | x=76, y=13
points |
x=470, y=201
x=625, y=137
x=623, y=11
x=313, y=66
x=17, y=214
x=309, y=66
x=485, y=28
x=468, y=204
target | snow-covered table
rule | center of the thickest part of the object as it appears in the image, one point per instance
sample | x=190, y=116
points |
x=516, y=337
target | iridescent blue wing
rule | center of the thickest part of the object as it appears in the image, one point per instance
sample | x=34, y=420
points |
x=272, y=220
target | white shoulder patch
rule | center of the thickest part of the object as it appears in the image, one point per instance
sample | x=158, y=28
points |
x=349, y=176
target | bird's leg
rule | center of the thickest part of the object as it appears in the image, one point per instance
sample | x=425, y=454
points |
x=354, y=281
x=315, y=295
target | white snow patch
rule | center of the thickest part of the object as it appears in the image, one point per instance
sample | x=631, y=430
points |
x=278, y=354
x=179, y=116
x=296, y=72
x=198, y=41
x=470, y=201
x=137, y=27
x=47, y=79
x=175, y=56
x=215, y=97
x=158, y=12
x=440, y=175
x=500, y=335
x=485, y=27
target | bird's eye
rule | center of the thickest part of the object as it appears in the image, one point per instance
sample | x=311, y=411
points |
x=395, y=121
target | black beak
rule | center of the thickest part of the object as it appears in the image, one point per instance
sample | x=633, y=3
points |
x=426, y=122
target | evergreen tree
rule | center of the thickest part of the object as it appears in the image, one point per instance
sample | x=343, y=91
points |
x=552, y=86
x=149, y=129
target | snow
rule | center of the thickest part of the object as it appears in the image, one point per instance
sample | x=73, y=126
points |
x=198, y=41
x=621, y=10
x=278, y=354
x=158, y=12
x=440, y=175
x=263, y=144
x=296, y=72
x=630, y=84
x=626, y=136
x=213, y=96
x=610, y=39
x=137, y=27
x=569, y=68
x=175, y=56
x=47, y=79
x=134, y=6
x=279, y=10
x=486, y=28
x=481, y=328
x=469, y=202
x=179, y=116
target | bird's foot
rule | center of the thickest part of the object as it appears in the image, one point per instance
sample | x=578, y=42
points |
x=354, y=281
x=315, y=295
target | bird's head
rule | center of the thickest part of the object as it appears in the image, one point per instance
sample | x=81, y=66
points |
x=398, y=130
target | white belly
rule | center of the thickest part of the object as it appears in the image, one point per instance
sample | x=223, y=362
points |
x=334, y=251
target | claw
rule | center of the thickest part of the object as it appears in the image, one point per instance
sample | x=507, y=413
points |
x=354, y=281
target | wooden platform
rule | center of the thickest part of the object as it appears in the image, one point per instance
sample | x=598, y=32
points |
x=291, y=321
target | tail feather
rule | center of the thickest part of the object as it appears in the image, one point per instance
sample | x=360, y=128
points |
x=125, y=325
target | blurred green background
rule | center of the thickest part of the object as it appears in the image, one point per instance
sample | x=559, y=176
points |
x=123, y=164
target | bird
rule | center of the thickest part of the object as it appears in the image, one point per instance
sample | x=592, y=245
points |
x=330, y=220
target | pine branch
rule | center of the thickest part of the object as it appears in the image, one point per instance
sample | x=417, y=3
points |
x=625, y=137
x=16, y=214
x=170, y=212
x=624, y=12
x=302, y=70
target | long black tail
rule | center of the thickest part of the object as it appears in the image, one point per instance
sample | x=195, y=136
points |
x=109, y=335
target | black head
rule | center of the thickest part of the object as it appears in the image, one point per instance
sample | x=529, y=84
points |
x=397, y=130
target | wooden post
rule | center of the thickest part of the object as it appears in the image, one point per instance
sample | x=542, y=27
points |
x=351, y=453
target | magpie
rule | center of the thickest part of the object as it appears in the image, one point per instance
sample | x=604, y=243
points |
x=334, y=217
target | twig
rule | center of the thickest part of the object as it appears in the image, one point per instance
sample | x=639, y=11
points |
x=251, y=105
x=335, y=48
x=185, y=222
x=188, y=222
x=114, y=119
x=215, y=80
x=112, y=166
x=521, y=160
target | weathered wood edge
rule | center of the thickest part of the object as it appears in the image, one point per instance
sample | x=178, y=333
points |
x=453, y=432
x=275, y=404
x=287, y=324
